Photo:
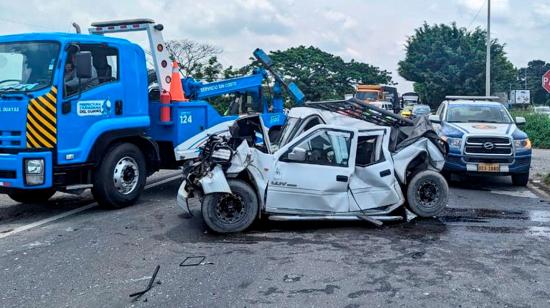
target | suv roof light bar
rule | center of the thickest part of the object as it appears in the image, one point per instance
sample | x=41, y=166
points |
x=472, y=98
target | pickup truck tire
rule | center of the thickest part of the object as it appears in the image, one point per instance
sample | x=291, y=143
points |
x=230, y=213
x=520, y=179
x=32, y=196
x=427, y=194
x=120, y=178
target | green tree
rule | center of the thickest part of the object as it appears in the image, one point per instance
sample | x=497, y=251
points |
x=447, y=60
x=533, y=73
x=321, y=75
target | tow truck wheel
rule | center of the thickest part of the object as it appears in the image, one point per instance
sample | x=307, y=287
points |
x=120, y=178
x=427, y=194
x=520, y=179
x=229, y=213
x=32, y=196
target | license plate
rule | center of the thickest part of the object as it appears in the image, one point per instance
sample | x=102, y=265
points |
x=488, y=168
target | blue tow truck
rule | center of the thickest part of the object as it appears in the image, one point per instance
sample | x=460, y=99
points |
x=78, y=111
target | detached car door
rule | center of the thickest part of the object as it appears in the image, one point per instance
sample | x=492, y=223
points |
x=373, y=183
x=311, y=174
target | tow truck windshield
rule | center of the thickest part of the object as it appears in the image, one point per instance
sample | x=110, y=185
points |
x=27, y=66
x=478, y=114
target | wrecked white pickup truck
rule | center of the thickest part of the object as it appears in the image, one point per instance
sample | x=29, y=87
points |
x=338, y=160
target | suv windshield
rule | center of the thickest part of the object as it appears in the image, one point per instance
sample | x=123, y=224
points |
x=26, y=66
x=478, y=113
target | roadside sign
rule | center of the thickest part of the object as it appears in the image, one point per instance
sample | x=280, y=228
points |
x=546, y=81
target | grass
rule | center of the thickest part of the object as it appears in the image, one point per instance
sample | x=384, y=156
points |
x=537, y=128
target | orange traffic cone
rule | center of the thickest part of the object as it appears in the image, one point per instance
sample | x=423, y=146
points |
x=176, y=88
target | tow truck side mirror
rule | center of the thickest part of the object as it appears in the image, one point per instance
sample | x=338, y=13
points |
x=83, y=65
x=520, y=121
x=297, y=154
x=434, y=118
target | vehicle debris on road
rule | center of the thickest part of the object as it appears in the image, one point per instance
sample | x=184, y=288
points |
x=137, y=295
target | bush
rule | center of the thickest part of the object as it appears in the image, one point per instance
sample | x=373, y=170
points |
x=547, y=179
x=537, y=128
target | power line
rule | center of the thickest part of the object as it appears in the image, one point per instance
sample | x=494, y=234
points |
x=477, y=15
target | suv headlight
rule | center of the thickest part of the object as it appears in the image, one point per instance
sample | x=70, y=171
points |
x=522, y=144
x=453, y=142
x=34, y=171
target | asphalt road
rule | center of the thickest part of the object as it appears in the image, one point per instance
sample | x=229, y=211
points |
x=491, y=248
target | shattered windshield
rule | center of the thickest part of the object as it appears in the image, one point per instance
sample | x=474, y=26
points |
x=27, y=66
x=285, y=134
x=478, y=114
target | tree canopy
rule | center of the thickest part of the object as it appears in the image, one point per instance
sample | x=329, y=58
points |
x=533, y=73
x=321, y=75
x=447, y=60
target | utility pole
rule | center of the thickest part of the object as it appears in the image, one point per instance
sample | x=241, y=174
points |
x=488, y=61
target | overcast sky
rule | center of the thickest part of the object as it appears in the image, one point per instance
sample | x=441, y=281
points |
x=372, y=31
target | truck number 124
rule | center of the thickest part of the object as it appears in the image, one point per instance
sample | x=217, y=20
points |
x=186, y=118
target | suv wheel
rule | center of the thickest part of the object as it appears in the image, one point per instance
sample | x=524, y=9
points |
x=520, y=179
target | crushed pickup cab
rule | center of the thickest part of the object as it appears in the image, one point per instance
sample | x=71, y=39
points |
x=337, y=160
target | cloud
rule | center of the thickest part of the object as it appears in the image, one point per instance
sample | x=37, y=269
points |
x=369, y=31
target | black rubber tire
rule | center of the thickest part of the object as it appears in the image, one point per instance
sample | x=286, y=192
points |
x=32, y=196
x=104, y=189
x=415, y=205
x=520, y=179
x=249, y=200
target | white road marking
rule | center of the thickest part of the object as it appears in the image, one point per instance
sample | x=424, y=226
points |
x=75, y=211
x=47, y=220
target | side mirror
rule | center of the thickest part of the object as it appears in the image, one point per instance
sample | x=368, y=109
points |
x=520, y=121
x=434, y=118
x=297, y=154
x=83, y=65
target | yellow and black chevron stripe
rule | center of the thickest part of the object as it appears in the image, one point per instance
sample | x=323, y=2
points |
x=42, y=121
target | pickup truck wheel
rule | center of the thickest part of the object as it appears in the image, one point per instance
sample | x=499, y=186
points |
x=119, y=180
x=427, y=194
x=32, y=196
x=520, y=179
x=229, y=213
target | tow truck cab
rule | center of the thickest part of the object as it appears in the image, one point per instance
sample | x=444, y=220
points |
x=77, y=111
x=483, y=138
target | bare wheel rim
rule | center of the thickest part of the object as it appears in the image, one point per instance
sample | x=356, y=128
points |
x=428, y=194
x=126, y=175
x=230, y=209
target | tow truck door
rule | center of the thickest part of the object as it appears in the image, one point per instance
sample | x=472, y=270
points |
x=373, y=183
x=311, y=174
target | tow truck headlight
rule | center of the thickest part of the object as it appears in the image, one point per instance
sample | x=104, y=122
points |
x=34, y=171
x=522, y=144
x=453, y=142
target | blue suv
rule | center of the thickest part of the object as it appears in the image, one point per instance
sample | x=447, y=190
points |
x=483, y=138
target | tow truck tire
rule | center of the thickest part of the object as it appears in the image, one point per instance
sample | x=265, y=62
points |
x=120, y=178
x=427, y=194
x=520, y=179
x=32, y=196
x=230, y=213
